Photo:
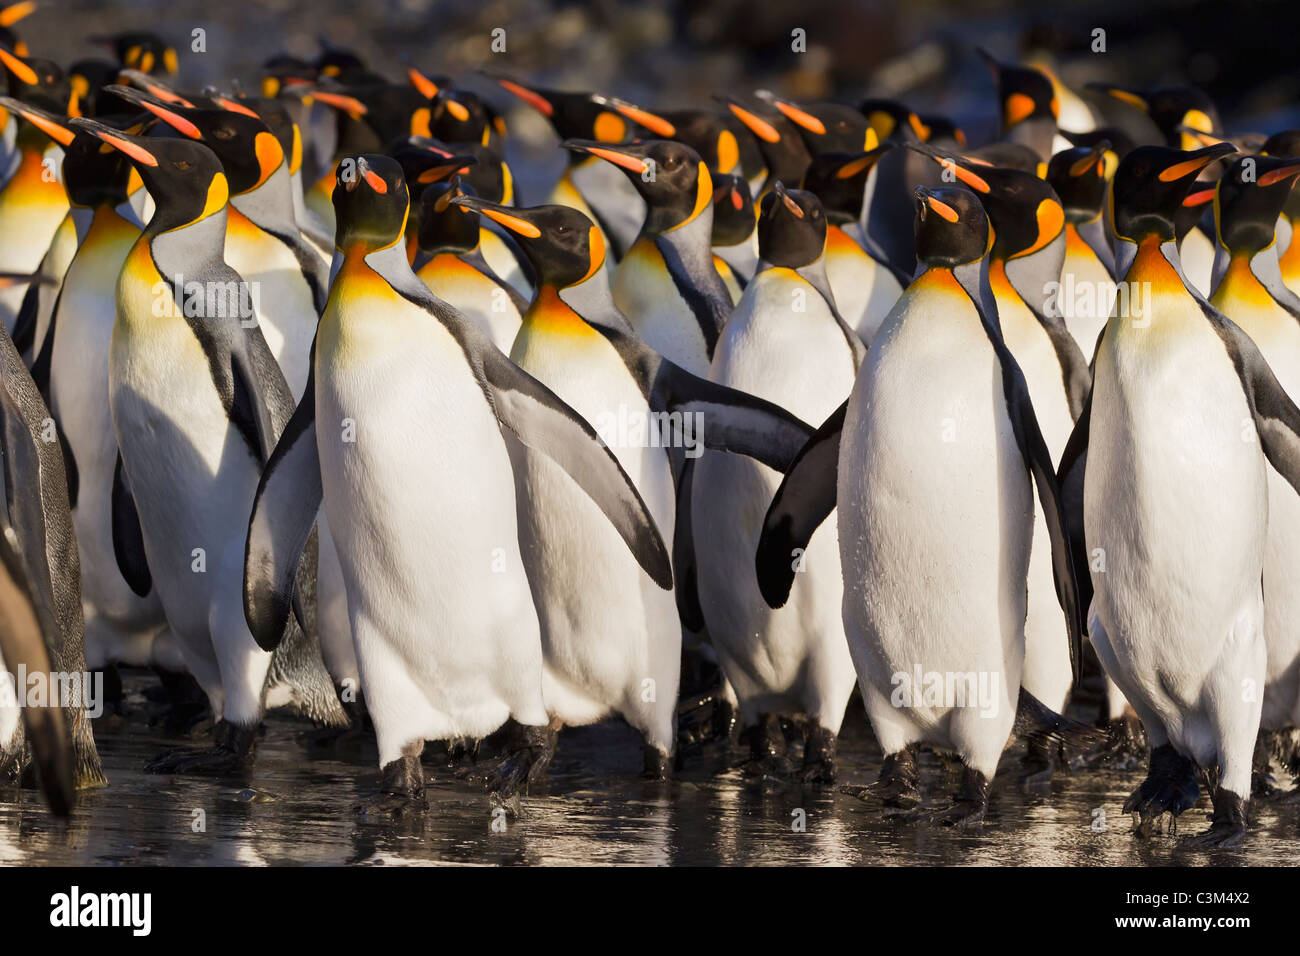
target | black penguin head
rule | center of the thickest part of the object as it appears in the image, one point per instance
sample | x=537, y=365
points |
x=951, y=227
x=1177, y=111
x=184, y=177
x=458, y=116
x=1121, y=144
x=1079, y=177
x=563, y=245
x=1024, y=93
x=444, y=225
x=941, y=129
x=93, y=174
x=339, y=64
x=791, y=227
x=1150, y=186
x=39, y=82
x=143, y=51
x=712, y=136
x=427, y=161
x=839, y=179
x=785, y=155
x=1009, y=155
x=1249, y=199
x=283, y=70
x=733, y=210
x=670, y=176
x=893, y=120
x=1024, y=212
x=370, y=202
x=273, y=114
x=1193, y=208
x=573, y=115
x=828, y=127
x=88, y=79
x=248, y=150
x=1286, y=143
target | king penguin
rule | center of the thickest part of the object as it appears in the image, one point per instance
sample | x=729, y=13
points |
x=786, y=343
x=1183, y=413
x=197, y=402
x=1249, y=289
x=607, y=628
x=936, y=516
x=1027, y=221
x=398, y=378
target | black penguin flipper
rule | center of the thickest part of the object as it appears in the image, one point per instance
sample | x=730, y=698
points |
x=1075, y=373
x=45, y=355
x=1070, y=477
x=543, y=421
x=128, y=539
x=24, y=646
x=25, y=322
x=281, y=527
x=685, y=570
x=732, y=421
x=1277, y=419
x=705, y=293
x=803, y=501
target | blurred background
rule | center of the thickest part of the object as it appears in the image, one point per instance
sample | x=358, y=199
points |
x=674, y=53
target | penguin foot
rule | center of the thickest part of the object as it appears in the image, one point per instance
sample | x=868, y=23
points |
x=232, y=751
x=658, y=765
x=969, y=804
x=526, y=761
x=1170, y=787
x=401, y=792
x=1123, y=749
x=1039, y=763
x=1263, y=785
x=705, y=719
x=899, y=784
x=767, y=749
x=818, y=756
x=1228, y=824
x=724, y=719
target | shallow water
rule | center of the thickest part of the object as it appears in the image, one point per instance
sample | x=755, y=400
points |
x=296, y=807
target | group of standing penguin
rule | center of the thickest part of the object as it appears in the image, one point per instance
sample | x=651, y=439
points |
x=296, y=400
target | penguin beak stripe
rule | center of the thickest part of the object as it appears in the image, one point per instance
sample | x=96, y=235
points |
x=1198, y=198
x=233, y=106
x=1082, y=166
x=965, y=175
x=737, y=202
x=1277, y=175
x=942, y=208
x=655, y=124
x=795, y=115
x=535, y=100
x=1132, y=99
x=19, y=69
x=138, y=153
x=618, y=159
x=375, y=181
x=54, y=131
x=435, y=173
x=15, y=12
x=457, y=110
x=513, y=223
x=849, y=170
x=178, y=123
x=793, y=206
x=1019, y=108
x=1185, y=168
x=348, y=104
x=760, y=128
x=428, y=89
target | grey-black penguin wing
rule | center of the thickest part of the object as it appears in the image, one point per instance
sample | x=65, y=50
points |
x=24, y=646
x=1075, y=374
x=1277, y=419
x=280, y=528
x=732, y=420
x=802, y=502
x=542, y=421
x=1070, y=476
x=128, y=539
x=685, y=569
x=1033, y=449
x=815, y=275
x=1094, y=235
x=710, y=303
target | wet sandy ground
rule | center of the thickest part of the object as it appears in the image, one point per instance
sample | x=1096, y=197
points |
x=296, y=808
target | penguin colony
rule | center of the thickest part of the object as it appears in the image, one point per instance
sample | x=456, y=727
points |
x=300, y=403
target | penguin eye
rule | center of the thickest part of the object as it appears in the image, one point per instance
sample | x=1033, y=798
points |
x=223, y=132
x=672, y=161
x=182, y=164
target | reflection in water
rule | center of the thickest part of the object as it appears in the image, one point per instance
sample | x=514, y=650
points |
x=594, y=810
